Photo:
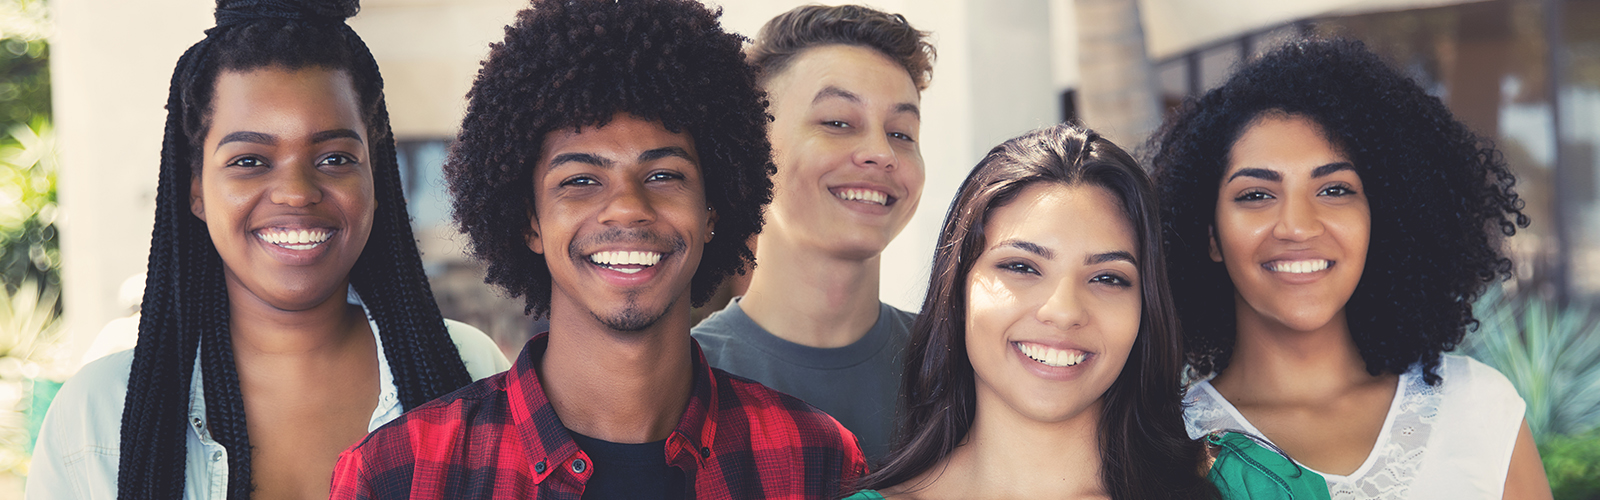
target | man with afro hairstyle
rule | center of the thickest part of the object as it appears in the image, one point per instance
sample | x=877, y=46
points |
x=612, y=163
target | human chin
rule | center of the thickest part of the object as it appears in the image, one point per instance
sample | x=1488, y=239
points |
x=290, y=290
x=632, y=317
x=1294, y=313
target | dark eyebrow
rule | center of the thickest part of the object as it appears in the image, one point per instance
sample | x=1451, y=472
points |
x=328, y=135
x=666, y=152
x=1029, y=247
x=1101, y=258
x=1259, y=173
x=250, y=137
x=579, y=158
x=1329, y=169
x=832, y=91
x=906, y=107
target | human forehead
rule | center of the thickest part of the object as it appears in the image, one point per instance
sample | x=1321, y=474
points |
x=1068, y=219
x=622, y=140
x=1284, y=143
x=274, y=94
x=858, y=70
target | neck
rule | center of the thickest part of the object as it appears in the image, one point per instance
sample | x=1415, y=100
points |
x=1272, y=362
x=261, y=331
x=623, y=387
x=809, y=297
x=1007, y=455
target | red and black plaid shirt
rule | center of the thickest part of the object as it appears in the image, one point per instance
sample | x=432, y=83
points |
x=500, y=438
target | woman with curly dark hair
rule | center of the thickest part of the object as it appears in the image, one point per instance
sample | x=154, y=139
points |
x=1046, y=361
x=282, y=260
x=1328, y=226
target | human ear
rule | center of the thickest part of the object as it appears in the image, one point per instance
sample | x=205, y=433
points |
x=1216, y=252
x=535, y=243
x=197, y=200
x=711, y=224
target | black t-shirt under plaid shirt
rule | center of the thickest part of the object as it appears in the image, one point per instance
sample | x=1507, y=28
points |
x=501, y=438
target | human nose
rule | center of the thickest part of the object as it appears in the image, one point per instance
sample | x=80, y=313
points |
x=297, y=187
x=629, y=206
x=876, y=151
x=1297, y=220
x=1063, y=309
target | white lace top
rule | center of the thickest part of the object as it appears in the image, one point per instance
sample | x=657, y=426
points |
x=1450, y=441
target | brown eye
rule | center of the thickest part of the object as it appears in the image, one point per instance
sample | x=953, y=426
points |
x=1111, y=279
x=248, y=162
x=337, y=160
x=1018, y=267
x=1253, y=195
x=1337, y=191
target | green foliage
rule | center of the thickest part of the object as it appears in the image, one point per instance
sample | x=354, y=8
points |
x=1573, y=465
x=1551, y=354
x=29, y=330
x=24, y=62
x=29, y=247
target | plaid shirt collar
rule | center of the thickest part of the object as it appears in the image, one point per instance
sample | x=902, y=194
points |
x=549, y=444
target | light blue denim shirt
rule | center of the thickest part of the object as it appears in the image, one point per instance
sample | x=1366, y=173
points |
x=77, y=452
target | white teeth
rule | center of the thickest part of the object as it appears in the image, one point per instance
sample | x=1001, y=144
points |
x=611, y=259
x=1052, y=357
x=302, y=239
x=1299, y=266
x=867, y=195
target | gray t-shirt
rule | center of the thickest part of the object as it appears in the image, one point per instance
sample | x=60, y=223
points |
x=856, y=383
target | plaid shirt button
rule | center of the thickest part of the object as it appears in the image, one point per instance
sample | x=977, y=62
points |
x=578, y=466
x=538, y=468
x=705, y=452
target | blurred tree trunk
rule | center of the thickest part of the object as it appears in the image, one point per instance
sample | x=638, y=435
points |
x=1118, y=95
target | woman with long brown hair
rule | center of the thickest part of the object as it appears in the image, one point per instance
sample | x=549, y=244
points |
x=1046, y=360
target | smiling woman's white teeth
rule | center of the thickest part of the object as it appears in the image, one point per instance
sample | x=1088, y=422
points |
x=1300, y=266
x=1052, y=357
x=295, y=239
x=867, y=195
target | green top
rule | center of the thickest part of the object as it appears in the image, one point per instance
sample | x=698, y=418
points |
x=1244, y=469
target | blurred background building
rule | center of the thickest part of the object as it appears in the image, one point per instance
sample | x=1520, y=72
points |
x=1523, y=72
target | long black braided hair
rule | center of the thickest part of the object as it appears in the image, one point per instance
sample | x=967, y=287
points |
x=185, y=310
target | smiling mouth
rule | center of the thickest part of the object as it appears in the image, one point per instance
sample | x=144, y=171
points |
x=1298, y=266
x=627, y=262
x=1052, y=357
x=872, y=196
x=295, y=239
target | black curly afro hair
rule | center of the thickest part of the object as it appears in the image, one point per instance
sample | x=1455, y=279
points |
x=1441, y=198
x=566, y=64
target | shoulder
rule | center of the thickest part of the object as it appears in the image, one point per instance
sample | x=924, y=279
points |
x=905, y=317
x=478, y=352
x=1204, y=411
x=722, y=333
x=98, y=387
x=78, y=447
x=1467, y=377
x=438, y=432
x=772, y=417
x=452, y=413
x=1245, y=469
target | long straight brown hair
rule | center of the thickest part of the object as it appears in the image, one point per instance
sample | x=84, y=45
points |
x=1144, y=450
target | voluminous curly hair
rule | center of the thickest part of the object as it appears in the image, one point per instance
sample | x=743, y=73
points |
x=789, y=34
x=568, y=64
x=1440, y=199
